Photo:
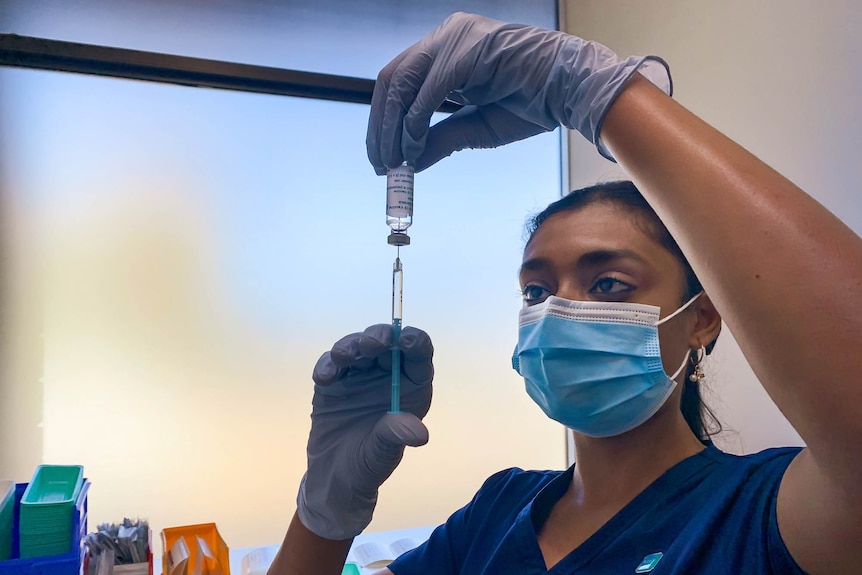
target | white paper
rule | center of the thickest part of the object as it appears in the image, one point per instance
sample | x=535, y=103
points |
x=402, y=546
x=207, y=561
x=258, y=561
x=378, y=555
x=178, y=558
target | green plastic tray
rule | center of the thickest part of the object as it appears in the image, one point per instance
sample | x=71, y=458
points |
x=53, y=485
x=7, y=510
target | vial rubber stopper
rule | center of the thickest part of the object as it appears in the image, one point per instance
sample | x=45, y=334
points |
x=398, y=239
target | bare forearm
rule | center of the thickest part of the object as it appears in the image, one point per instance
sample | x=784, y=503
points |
x=784, y=272
x=304, y=553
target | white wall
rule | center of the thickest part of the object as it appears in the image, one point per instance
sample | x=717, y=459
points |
x=780, y=77
x=21, y=437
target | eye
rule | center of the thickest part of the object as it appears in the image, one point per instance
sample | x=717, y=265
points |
x=534, y=294
x=610, y=286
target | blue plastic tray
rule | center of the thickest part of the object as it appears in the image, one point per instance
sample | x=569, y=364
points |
x=68, y=564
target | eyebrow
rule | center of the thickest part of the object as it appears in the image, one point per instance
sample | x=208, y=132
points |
x=599, y=257
x=593, y=258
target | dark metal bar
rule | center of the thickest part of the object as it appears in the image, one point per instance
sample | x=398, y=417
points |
x=43, y=54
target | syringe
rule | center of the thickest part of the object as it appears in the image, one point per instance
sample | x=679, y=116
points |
x=399, y=217
x=397, y=294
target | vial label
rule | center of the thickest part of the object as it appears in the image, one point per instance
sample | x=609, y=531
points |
x=399, y=192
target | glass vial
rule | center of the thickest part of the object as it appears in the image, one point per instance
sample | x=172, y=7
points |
x=399, y=198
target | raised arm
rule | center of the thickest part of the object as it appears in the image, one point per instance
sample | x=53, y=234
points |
x=786, y=276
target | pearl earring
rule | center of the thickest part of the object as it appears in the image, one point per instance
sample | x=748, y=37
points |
x=698, y=370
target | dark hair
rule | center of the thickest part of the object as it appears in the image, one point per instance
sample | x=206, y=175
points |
x=697, y=414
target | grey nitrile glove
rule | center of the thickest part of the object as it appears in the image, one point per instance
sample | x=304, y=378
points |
x=355, y=444
x=516, y=81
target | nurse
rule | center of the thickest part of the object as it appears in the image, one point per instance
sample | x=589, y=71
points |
x=625, y=282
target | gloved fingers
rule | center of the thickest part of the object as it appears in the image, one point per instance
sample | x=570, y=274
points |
x=416, y=348
x=417, y=399
x=395, y=430
x=346, y=353
x=464, y=59
x=409, y=79
x=383, y=448
x=376, y=118
x=415, y=344
x=325, y=371
x=416, y=117
x=363, y=351
x=346, y=356
x=417, y=353
x=473, y=127
x=394, y=93
x=411, y=87
x=332, y=378
x=375, y=340
x=443, y=138
x=419, y=372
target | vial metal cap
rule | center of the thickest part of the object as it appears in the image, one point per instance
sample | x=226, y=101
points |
x=398, y=239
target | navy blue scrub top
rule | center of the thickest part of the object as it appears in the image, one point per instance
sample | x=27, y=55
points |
x=712, y=513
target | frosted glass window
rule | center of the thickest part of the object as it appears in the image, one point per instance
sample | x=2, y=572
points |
x=343, y=37
x=188, y=254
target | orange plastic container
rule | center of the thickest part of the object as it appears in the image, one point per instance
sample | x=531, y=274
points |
x=208, y=533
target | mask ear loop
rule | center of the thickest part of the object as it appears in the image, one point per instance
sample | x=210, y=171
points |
x=687, y=357
x=681, y=367
x=679, y=311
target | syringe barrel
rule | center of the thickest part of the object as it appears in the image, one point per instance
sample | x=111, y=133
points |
x=399, y=198
x=397, y=289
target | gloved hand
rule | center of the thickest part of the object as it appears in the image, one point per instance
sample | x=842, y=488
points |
x=516, y=81
x=355, y=445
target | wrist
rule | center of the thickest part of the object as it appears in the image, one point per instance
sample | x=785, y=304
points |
x=333, y=511
x=648, y=70
x=303, y=552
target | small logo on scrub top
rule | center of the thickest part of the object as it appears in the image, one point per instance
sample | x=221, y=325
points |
x=649, y=563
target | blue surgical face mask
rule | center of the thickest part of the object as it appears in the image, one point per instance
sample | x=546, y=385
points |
x=594, y=366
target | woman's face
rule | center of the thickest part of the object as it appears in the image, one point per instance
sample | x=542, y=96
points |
x=600, y=253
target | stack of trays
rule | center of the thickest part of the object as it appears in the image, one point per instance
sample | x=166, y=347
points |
x=7, y=514
x=46, y=524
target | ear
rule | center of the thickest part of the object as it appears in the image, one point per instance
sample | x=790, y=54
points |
x=707, y=325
